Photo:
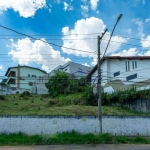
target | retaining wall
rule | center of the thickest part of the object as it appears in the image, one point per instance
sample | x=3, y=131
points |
x=115, y=125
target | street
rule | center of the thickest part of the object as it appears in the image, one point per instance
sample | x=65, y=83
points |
x=81, y=147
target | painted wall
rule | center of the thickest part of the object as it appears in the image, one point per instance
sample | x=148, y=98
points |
x=115, y=125
x=111, y=82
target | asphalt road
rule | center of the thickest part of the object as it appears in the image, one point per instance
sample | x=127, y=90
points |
x=81, y=147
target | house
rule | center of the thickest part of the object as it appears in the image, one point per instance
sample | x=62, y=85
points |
x=23, y=76
x=74, y=68
x=71, y=68
x=120, y=73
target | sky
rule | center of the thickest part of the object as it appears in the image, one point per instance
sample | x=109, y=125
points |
x=58, y=31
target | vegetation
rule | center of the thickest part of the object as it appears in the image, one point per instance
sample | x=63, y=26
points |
x=2, y=97
x=121, y=97
x=69, y=138
x=71, y=104
x=62, y=83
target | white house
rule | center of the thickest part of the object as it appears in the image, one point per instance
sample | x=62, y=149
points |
x=71, y=68
x=23, y=76
x=74, y=68
x=123, y=72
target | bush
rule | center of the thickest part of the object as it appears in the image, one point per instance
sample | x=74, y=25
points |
x=91, y=99
x=25, y=93
x=2, y=97
x=17, y=92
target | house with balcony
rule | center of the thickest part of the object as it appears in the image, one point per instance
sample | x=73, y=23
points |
x=119, y=73
x=22, y=76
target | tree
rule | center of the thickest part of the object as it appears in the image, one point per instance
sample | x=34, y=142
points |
x=57, y=84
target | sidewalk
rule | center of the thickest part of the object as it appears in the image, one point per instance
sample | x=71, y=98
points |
x=81, y=147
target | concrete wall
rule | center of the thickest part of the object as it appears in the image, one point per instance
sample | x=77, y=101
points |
x=115, y=125
x=11, y=90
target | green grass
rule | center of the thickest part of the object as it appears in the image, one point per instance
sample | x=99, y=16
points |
x=61, y=105
x=68, y=138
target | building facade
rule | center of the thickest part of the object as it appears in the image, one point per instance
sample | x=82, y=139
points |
x=23, y=76
x=120, y=73
x=73, y=69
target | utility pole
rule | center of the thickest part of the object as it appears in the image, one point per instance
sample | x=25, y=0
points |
x=99, y=88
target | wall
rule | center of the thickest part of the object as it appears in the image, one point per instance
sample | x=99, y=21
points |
x=11, y=90
x=115, y=125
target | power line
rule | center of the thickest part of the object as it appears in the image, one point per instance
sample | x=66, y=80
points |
x=42, y=40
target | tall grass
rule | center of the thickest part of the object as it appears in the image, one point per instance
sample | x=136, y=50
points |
x=68, y=138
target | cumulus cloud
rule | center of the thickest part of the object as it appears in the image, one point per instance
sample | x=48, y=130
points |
x=94, y=4
x=25, y=51
x=130, y=52
x=67, y=7
x=146, y=42
x=85, y=10
x=26, y=8
x=1, y=67
x=80, y=38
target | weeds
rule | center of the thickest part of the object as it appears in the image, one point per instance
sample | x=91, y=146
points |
x=68, y=138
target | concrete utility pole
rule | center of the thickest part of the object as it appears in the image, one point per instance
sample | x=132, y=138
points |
x=99, y=81
x=99, y=87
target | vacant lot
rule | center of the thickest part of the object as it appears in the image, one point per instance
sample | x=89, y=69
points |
x=63, y=105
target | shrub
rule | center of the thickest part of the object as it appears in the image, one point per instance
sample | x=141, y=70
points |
x=25, y=93
x=2, y=97
x=91, y=99
x=17, y=92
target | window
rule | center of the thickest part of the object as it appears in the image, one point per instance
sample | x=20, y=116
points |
x=127, y=63
x=126, y=66
x=116, y=73
x=34, y=76
x=131, y=77
x=135, y=64
x=30, y=83
x=28, y=75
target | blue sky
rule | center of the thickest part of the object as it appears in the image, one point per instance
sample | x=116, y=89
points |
x=72, y=24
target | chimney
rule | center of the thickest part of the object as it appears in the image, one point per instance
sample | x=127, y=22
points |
x=18, y=76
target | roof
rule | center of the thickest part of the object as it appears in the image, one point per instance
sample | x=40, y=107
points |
x=25, y=67
x=115, y=57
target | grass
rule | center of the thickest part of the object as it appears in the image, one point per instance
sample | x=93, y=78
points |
x=61, y=105
x=68, y=138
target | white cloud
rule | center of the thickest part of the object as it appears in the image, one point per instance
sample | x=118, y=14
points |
x=130, y=52
x=26, y=8
x=85, y=10
x=85, y=64
x=140, y=26
x=67, y=7
x=146, y=42
x=128, y=31
x=94, y=4
x=147, y=20
x=25, y=51
x=89, y=42
x=58, y=1
x=1, y=67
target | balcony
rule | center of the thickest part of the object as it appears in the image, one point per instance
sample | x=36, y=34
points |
x=12, y=74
